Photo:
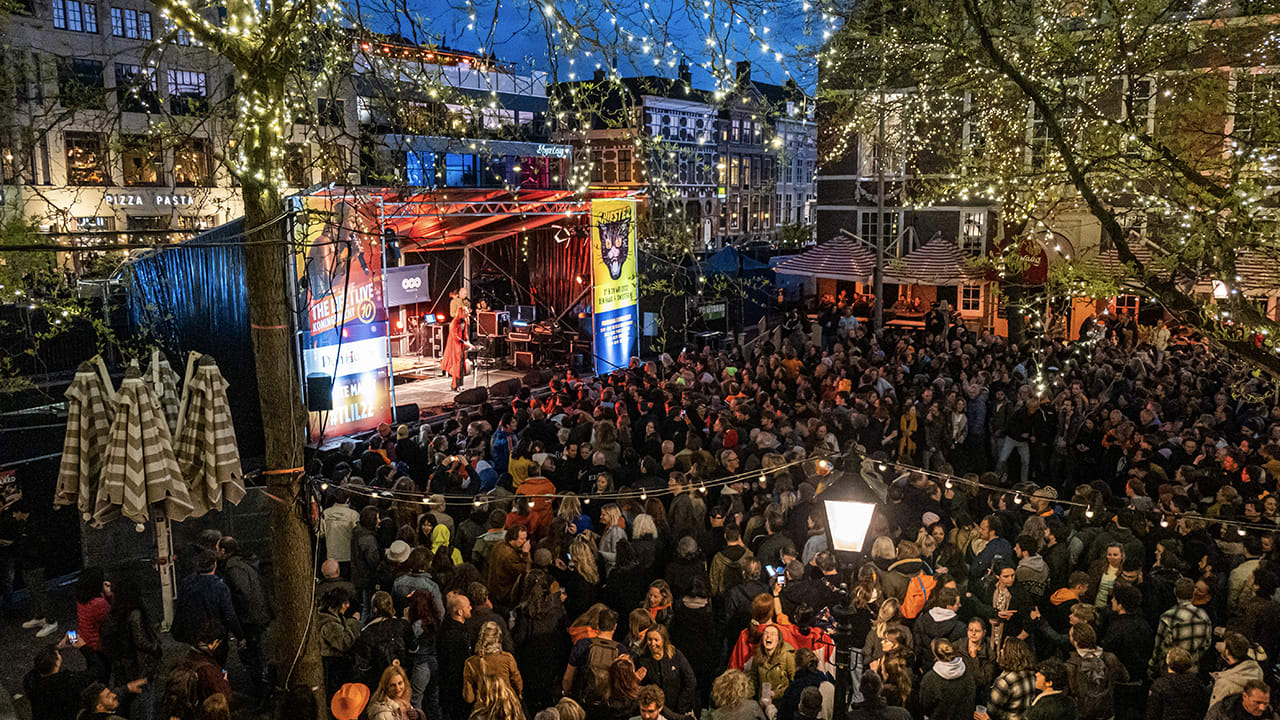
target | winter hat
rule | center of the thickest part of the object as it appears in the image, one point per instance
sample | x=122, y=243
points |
x=730, y=439
x=929, y=519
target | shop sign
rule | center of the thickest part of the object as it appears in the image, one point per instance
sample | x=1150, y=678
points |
x=134, y=199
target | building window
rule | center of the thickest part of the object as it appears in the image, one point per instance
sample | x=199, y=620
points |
x=188, y=92
x=597, y=166
x=869, y=229
x=80, y=84
x=193, y=164
x=136, y=88
x=297, y=165
x=1142, y=104
x=129, y=23
x=86, y=159
x=143, y=160
x=624, y=165
x=973, y=231
x=1127, y=305
x=147, y=222
x=75, y=16
x=460, y=170
x=970, y=297
x=1256, y=97
x=194, y=222
x=331, y=112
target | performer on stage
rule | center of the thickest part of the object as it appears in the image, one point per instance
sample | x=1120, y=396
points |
x=454, y=361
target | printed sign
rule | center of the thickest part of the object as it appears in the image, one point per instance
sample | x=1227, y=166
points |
x=616, y=289
x=406, y=285
x=340, y=287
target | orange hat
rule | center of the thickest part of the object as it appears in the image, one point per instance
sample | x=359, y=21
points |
x=349, y=701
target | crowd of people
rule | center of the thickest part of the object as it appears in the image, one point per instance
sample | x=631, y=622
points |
x=1071, y=530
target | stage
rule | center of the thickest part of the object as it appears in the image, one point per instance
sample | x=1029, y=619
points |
x=418, y=381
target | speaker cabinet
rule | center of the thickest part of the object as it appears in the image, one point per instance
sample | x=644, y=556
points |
x=472, y=396
x=319, y=392
x=408, y=413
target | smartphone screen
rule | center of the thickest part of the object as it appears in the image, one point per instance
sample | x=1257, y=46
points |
x=72, y=636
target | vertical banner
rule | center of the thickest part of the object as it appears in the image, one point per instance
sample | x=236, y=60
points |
x=344, y=326
x=615, y=285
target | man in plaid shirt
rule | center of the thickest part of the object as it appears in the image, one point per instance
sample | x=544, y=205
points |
x=1183, y=625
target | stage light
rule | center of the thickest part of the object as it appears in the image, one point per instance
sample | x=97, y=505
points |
x=439, y=317
x=578, y=278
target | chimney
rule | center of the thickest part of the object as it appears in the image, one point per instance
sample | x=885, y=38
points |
x=686, y=75
x=744, y=70
x=599, y=75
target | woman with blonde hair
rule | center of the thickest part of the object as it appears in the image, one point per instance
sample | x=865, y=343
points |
x=393, y=699
x=731, y=698
x=658, y=601
x=888, y=617
x=644, y=539
x=490, y=661
x=496, y=700
x=883, y=552
x=570, y=510
x=581, y=582
x=615, y=530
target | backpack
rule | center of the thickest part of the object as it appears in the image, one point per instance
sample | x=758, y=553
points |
x=919, y=587
x=1093, y=691
x=591, y=680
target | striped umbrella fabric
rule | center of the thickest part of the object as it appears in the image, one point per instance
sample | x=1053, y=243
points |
x=937, y=262
x=206, y=447
x=90, y=408
x=164, y=386
x=840, y=258
x=140, y=469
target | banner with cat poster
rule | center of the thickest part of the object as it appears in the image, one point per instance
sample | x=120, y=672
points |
x=615, y=285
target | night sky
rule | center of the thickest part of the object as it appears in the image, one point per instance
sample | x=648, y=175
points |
x=645, y=37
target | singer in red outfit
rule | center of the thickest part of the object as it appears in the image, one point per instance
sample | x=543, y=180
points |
x=454, y=361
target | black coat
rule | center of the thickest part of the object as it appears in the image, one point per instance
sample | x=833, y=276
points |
x=693, y=630
x=1180, y=696
x=453, y=651
x=625, y=589
x=675, y=676
x=542, y=651
x=1130, y=638
x=789, y=704
x=943, y=699
x=681, y=573
x=382, y=641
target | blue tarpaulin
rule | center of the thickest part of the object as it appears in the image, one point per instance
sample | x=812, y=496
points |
x=726, y=262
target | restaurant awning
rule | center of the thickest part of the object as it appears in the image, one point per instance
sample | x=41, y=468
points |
x=937, y=262
x=840, y=258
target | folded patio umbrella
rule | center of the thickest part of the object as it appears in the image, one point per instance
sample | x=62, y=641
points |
x=140, y=470
x=90, y=407
x=206, y=442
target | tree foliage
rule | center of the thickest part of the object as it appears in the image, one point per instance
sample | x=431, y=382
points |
x=1140, y=130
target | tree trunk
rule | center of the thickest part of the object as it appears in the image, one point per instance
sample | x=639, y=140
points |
x=268, y=262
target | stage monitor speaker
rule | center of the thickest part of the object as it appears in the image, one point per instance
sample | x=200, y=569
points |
x=319, y=392
x=506, y=388
x=408, y=413
x=524, y=360
x=472, y=396
x=490, y=323
x=537, y=378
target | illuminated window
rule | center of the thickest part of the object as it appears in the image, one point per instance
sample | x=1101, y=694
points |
x=1127, y=304
x=193, y=164
x=129, y=23
x=143, y=160
x=973, y=231
x=86, y=159
x=75, y=16
x=970, y=297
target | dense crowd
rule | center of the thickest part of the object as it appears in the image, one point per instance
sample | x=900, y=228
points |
x=1071, y=530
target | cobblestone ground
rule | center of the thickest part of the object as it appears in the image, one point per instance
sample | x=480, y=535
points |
x=18, y=648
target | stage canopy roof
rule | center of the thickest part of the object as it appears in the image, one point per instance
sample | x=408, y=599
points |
x=453, y=218
x=937, y=262
x=840, y=258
